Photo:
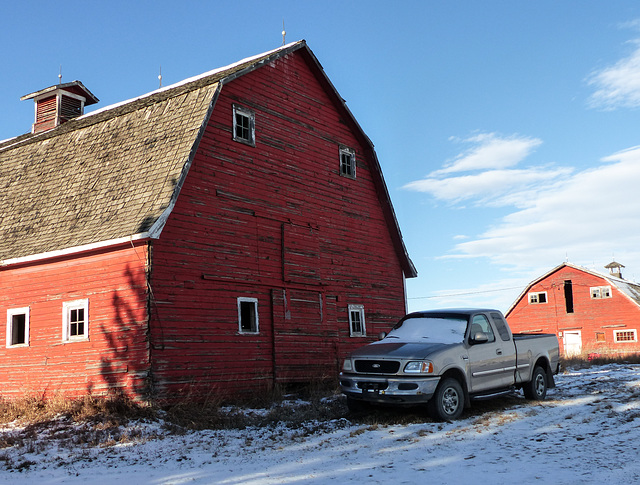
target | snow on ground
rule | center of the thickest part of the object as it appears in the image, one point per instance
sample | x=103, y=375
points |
x=588, y=431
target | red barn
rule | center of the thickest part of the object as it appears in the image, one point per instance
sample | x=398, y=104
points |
x=219, y=235
x=591, y=313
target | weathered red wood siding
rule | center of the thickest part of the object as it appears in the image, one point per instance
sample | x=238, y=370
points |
x=276, y=222
x=590, y=316
x=114, y=358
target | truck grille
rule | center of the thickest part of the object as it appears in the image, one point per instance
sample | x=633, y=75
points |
x=377, y=366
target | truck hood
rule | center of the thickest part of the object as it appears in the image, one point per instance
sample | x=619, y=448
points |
x=399, y=350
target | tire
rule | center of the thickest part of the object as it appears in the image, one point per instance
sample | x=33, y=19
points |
x=447, y=403
x=536, y=389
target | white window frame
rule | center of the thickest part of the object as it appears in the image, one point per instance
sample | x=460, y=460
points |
x=10, y=314
x=534, y=298
x=254, y=301
x=251, y=117
x=351, y=171
x=616, y=334
x=67, y=308
x=358, y=310
x=599, y=292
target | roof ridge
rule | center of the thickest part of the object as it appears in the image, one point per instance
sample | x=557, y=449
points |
x=156, y=96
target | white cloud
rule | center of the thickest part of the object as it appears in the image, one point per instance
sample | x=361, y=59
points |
x=491, y=151
x=591, y=215
x=494, y=187
x=490, y=177
x=618, y=85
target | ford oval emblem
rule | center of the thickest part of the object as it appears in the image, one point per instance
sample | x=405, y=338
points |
x=376, y=366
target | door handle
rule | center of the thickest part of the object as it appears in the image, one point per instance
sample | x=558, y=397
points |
x=499, y=351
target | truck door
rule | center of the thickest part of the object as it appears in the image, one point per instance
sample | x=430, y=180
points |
x=491, y=362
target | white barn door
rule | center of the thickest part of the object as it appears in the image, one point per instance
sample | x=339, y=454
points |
x=572, y=343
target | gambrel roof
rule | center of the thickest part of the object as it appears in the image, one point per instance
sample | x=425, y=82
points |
x=627, y=288
x=114, y=174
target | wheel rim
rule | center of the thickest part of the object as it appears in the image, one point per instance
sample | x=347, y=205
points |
x=540, y=385
x=450, y=400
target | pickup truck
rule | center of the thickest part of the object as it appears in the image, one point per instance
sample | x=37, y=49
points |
x=447, y=358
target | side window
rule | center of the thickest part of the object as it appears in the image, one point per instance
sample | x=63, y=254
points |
x=539, y=297
x=356, y=321
x=625, y=336
x=480, y=324
x=244, y=125
x=347, y=162
x=75, y=320
x=248, y=315
x=501, y=325
x=598, y=292
x=18, y=327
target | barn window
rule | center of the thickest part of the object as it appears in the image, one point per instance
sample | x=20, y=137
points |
x=356, y=321
x=539, y=297
x=598, y=292
x=620, y=336
x=568, y=296
x=600, y=337
x=18, y=327
x=244, y=125
x=248, y=315
x=75, y=320
x=347, y=162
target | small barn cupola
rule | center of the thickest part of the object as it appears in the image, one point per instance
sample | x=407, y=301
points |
x=59, y=103
x=615, y=269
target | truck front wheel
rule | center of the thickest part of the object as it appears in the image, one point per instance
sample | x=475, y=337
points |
x=448, y=401
x=536, y=388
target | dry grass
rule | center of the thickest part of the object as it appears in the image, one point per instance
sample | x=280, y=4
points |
x=585, y=361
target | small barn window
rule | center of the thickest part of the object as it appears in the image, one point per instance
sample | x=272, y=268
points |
x=620, y=336
x=248, y=315
x=244, y=125
x=598, y=292
x=600, y=337
x=18, y=327
x=356, y=321
x=347, y=162
x=539, y=297
x=75, y=320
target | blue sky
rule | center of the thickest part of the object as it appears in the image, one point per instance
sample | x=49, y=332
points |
x=507, y=131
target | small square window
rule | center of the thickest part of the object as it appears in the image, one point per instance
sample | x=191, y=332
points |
x=539, y=297
x=598, y=292
x=356, y=321
x=347, y=162
x=75, y=320
x=18, y=327
x=248, y=315
x=625, y=336
x=244, y=125
x=600, y=337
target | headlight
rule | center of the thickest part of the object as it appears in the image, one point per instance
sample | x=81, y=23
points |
x=346, y=366
x=421, y=367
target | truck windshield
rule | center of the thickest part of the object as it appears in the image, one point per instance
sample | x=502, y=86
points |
x=430, y=329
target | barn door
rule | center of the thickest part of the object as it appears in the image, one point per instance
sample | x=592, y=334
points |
x=572, y=343
x=304, y=342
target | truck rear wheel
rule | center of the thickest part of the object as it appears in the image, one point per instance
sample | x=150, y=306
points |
x=448, y=401
x=536, y=388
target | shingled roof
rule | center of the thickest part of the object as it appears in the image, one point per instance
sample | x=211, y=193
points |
x=113, y=175
x=109, y=175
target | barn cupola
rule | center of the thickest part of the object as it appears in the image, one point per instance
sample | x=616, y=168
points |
x=59, y=103
x=615, y=269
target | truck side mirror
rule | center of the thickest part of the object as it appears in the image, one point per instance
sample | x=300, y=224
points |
x=479, y=338
x=382, y=335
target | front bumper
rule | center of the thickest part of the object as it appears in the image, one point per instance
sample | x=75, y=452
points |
x=384, y=389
